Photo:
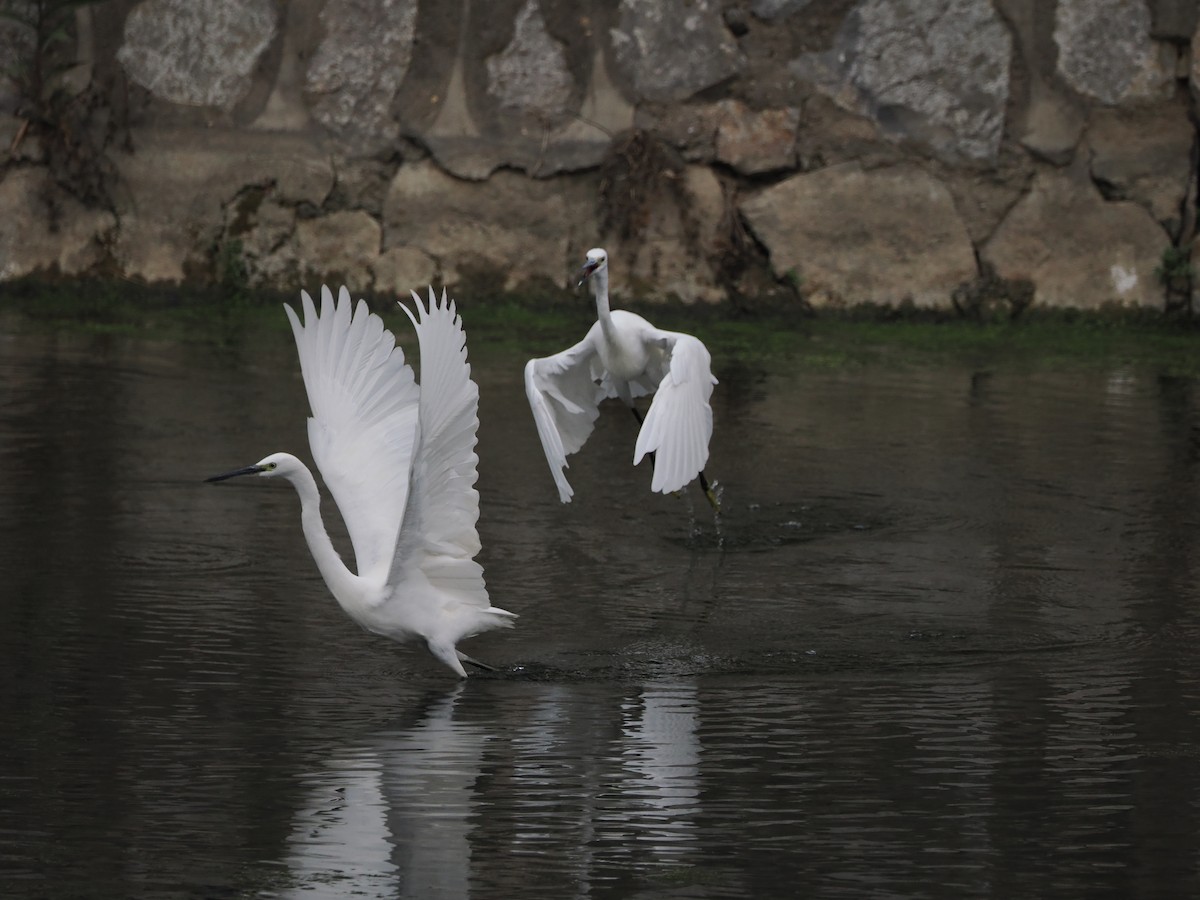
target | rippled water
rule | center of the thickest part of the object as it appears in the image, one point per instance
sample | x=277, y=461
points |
x=942, y=643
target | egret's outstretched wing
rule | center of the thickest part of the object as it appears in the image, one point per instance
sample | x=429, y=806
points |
x=679, y=424
x=565, y=398
x=439, y=540
x=364, y=420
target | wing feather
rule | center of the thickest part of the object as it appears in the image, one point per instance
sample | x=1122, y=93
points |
x=363, y=428
x=679, y=425
x=565, y=400
x=439, y=539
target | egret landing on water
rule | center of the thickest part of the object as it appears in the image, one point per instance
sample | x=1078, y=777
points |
x=400, y=462
x=625, y=356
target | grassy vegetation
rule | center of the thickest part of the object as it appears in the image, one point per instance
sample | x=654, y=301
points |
x=134, y=310
x=526, y=326
x=1047, y=340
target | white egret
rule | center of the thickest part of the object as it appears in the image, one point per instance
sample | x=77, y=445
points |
x=625, y=356
x=400, y=463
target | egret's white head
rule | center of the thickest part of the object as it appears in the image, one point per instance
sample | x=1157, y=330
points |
x=597, y=259
x=267, y=467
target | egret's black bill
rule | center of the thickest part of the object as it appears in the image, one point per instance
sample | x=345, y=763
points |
x=587, y=269
x=245, y=470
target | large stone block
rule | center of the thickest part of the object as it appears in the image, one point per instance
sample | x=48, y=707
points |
x=71, y=242
x=935, y=71
x=175, y=190
x=669, y=50
x=1105, y=51
x=339, y=247
x=756, y=141
x=197, y=52
x=521, y=229
x=402, y=269
x=1077, y=249
x=851, y=236
x=358, y=67
x=1144, y=154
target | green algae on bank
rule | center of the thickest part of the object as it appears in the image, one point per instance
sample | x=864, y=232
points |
x=829, y=340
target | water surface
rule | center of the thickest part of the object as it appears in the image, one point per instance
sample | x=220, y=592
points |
x=941, y=643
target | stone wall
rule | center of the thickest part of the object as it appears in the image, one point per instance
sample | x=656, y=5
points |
x=835, y=151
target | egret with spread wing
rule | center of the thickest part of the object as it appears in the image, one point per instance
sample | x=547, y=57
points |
x=625, y=356
x=400, y=462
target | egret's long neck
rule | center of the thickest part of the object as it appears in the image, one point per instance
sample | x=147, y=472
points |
x=600, y=291
x=340, y=580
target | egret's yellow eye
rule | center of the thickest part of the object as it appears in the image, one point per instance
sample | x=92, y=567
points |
x=270, y=466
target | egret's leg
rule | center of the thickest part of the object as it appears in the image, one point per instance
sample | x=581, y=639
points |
x=709, y=492
x=704, y=483
x=474, y=662
x=637, y=415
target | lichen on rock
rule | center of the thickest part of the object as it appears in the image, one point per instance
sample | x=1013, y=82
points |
x=936, y=72
x=197, y=52
x=359, y=65
x=672, y=49
x=530, y=75
x=1105, y=50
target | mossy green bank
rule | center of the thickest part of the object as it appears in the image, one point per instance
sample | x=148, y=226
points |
x=826, y=340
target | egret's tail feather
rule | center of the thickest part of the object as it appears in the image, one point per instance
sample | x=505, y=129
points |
x=499, y=618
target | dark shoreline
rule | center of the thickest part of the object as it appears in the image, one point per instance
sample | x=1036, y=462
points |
x=771, y=336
